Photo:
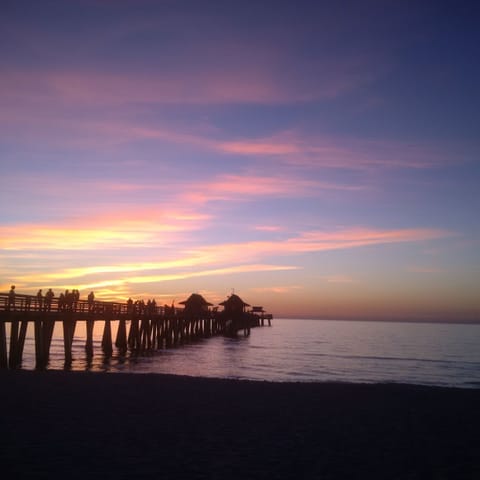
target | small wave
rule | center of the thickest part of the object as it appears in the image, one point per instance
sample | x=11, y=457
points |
x=397, y=359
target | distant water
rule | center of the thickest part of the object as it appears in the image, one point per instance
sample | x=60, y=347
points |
x=304, y=351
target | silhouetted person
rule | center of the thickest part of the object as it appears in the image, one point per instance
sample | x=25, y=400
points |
x=39, y=299
x=11, y=298
x=91, y=301
x=61, y=302
x=48, y=299
x=76, y=298
x=129, y=305
x=69, y=297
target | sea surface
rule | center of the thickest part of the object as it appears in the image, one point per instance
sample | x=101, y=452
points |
x=302, y=351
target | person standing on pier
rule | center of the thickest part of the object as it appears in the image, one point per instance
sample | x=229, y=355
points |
x=61, y=302
x=48, y=299
x=39, y=300
x=69, y=300
x=76, y=298
x=11, y=298
x=91, y=302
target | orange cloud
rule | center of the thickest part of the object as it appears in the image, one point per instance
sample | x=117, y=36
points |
x=123, y=229
x=182, y=262
x=187, y=275
x=284, y=289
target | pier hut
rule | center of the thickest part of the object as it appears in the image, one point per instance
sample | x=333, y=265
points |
x=234, y=305
x=196, y=317
x=195, y=304
x=236, y=316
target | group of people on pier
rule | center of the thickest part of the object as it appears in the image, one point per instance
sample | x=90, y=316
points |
x=45, y=303
x=140, y=307
x=67, y=301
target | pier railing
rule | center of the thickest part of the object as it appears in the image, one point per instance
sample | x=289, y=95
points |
x=141, y=327
x=30, y=303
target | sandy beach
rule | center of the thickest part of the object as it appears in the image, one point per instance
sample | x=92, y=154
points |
x=90, y=425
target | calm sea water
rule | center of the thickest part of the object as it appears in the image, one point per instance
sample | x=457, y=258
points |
x=304, y=351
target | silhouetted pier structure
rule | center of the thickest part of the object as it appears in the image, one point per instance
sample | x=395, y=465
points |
x=141, y=327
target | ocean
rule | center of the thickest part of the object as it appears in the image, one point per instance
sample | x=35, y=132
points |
x=294, y=350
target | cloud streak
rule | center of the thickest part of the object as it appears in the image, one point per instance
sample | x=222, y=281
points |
x=84, y=88
x=142, y=229
x=206, y=260
x=320, y=241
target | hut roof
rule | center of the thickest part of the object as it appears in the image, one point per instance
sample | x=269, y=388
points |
x=234, y=300
x=196, y=299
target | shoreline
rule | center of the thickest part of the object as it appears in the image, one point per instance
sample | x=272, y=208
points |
x=61, y=372
x=87, y=424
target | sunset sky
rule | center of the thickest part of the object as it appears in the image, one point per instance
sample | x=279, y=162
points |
x=320, y=158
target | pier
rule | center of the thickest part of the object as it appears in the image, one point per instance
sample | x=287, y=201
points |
x=141, y=327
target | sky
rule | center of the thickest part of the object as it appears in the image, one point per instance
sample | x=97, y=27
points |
x=317, y=158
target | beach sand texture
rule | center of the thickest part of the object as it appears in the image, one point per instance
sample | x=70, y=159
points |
x=90, y=425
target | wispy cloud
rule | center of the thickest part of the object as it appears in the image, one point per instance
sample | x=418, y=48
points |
x=279, y=289
x=244, y=187
x=424, y=269
x=100, y=129
x=299, y=149
x=168, y=277
x=339, y=278
x=268, y=228
x=237, y=84
x=318, y=241
x=183, y=262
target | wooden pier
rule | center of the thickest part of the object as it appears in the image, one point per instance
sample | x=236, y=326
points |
x=141, y=327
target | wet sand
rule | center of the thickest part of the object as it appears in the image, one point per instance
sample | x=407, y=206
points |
x=93, y=425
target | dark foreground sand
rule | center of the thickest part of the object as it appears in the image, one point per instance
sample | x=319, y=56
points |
x=80, y=425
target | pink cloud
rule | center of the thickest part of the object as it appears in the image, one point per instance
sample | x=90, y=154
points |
x=268, y=228
x=235, y=73
x=39, y=116
x=84, y=88
x=264, y=147
x=317, y=241
x=247, y=187
x=320, y=151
